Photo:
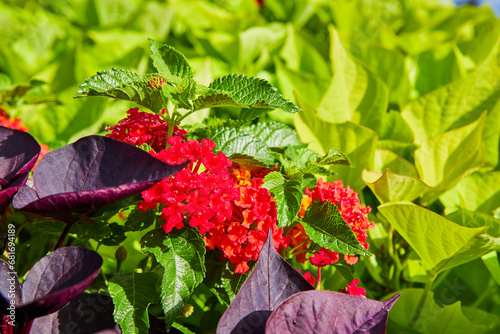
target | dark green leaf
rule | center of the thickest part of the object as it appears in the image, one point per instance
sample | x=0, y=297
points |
x=239, y=146
x=325, y=226
x=116, y=237
x=243, y=92
x=287, y=194
x=124, y=85
x=274, y=134
x=139, y=220
x=132, y=294
x=182, y=254
x=97, y=231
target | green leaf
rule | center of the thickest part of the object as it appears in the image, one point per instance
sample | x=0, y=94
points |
x=475, y=219
x=334, y=157
x=325, y=226
x=442, y=160
x=357, y=142
x=132, y=294
x=171, y=64
x=395, y=127
x=475, y=192
x=434, y=318
x=288, y=195
x=459, y=103
x=389, y=186
x=355, y=93
x=491, y=262
x=385, y=159
x=274, y=134
x=139, y=220
x=440, y=243
x=181, y=253
x=124, y=85
x=243, y=92
x=241, y=147
x=97, y=231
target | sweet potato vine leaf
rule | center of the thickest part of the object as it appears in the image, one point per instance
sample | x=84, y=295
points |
x=271, y=281
x=318, y=312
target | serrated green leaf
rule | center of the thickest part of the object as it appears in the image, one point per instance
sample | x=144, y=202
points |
x=116, y=237
x=171, y=64
x=124, y=85
x=287, y=194
x=239, y=146
x=132, y=294
x=243, y=92
x=182, y=254
x=440, y=243
x=96, y=231
x=274, y=134
x=139, y=220
x=325, y=226
x=334, y=157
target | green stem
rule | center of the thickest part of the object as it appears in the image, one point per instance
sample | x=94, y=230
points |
x=489, y=291
x=391, y=251
x=421, y=303
x=180, y=119
x=318, y=286
x=23, y=224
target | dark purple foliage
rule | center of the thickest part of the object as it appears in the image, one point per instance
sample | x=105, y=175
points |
x=87, y=314
x=272, y=281
x=93, y=172
x=52, y=282
x=18, y=154
x=329, y=312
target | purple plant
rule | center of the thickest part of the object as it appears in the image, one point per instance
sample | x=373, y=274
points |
x=276, y=298
x=53, y=281
x=18, y=154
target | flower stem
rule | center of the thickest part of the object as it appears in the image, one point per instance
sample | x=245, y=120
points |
x=63, y=236
x=318, y=286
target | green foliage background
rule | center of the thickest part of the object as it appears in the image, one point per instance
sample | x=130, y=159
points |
x=408, y=89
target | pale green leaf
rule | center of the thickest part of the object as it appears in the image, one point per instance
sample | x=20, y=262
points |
x=355, y=93
x=325, y=226
x=440, y=243
x=492, y=262
x=442, y=160
x=475, y=219
x=385, y=159
x=390, y=186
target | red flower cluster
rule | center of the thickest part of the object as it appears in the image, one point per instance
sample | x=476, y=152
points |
x=17, y=124
x=353, y=289
x=11, y=123
x=203, y=196
x=143, y=128
x=353, y=212
x=240, y=239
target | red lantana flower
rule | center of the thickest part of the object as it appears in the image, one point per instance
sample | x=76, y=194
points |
x=143, y=128
x=353, y=289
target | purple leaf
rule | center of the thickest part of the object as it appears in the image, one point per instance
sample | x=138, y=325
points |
x=93, y=172
x=329, y=312
x=272, y=281
x=54, y=281
x=18, y=154
x=89, y=313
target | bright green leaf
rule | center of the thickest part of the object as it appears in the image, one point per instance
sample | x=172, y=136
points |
x=390, y=186
x=385, y=159
x=440, y=243
x=355, y=93
x=475, y=219
x=132, y=294
x=325, y=226
x=492, y=262
x=123, y=85
x=274, y=134
x=182, y=255
x=442, y=160
x=434, y=319
x=288, y=195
